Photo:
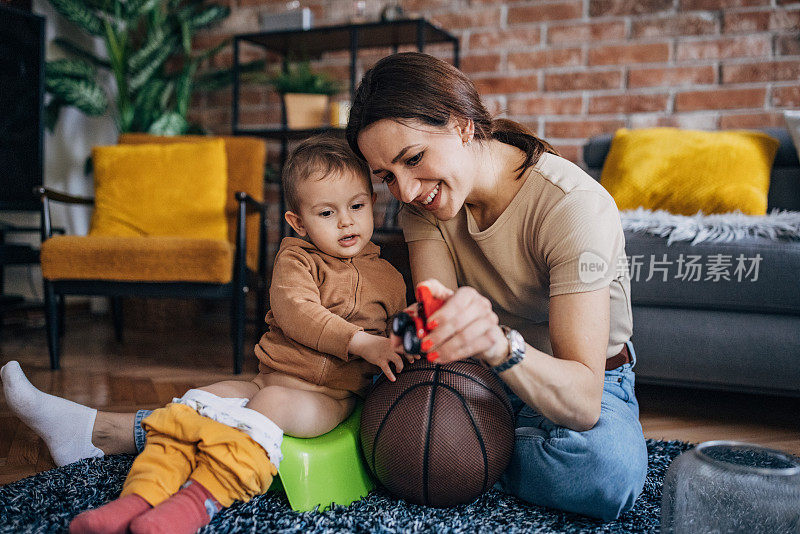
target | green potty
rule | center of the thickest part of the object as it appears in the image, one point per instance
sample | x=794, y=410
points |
x=324, y=470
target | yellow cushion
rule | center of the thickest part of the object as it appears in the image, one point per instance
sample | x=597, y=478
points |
x=137, y=259
x=686, y=171
x=177, y=189
x=247, y=158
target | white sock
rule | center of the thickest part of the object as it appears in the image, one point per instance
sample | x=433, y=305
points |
x=64, y=425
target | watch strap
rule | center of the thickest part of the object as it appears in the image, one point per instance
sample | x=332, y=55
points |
x=517, y=350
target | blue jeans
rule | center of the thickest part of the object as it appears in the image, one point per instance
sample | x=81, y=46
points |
x=139, y=435
x=599, y=472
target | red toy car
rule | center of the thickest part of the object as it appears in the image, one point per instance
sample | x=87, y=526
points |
x=412, y=328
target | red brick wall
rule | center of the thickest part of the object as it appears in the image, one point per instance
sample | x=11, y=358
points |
x=571, y=69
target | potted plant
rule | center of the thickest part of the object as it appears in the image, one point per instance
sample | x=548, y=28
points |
x=305, y=95
x=149, y=50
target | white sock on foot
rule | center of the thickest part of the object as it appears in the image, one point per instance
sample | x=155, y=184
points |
x=64, y=425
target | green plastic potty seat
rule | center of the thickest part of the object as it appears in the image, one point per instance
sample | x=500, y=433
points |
x=326, y=469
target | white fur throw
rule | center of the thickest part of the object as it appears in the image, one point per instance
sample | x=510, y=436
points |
x=720, y=227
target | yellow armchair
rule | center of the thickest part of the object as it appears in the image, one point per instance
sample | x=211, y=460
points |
x=179, y=217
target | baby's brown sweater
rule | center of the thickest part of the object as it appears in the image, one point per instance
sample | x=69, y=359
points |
x=317, y=303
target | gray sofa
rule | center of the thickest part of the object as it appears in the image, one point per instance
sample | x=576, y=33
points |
x=740, y=334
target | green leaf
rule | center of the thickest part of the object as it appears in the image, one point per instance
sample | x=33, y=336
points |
x=80, y=53
x=155, y=40
x=136, y=8
x=158, y=17
x=149, y=103
x=299, y=78
x=209, y=16
x=166, y=95
x=186, y=37
x=214, y=50
x=77, y=12
x=116, y=52
x=106, y=6
x=139, y=78
x=115, y=44
x=184, y=13
x=127, y=116
x=70, y=68
x=148, y=96
x=83, y=94
x=212, y=81
x=169, y=124
x=184, y=88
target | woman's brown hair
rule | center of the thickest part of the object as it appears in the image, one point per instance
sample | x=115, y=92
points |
x=412, y=85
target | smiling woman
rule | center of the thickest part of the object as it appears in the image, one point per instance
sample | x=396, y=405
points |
x=508, y=232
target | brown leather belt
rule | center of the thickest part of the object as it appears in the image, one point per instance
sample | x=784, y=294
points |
x=620, y=359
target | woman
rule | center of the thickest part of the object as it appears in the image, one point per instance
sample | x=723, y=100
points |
x=518, y=236
x=512, y=234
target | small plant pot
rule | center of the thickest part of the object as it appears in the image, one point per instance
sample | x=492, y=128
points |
x=305, y=111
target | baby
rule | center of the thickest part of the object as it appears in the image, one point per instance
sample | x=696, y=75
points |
x=331, y=298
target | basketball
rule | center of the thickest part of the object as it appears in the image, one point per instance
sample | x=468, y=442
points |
x=440, y=435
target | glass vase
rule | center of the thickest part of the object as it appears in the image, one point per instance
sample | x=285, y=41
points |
x=727, y=486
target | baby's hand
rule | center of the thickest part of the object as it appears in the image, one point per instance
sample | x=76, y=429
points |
x=378, y=351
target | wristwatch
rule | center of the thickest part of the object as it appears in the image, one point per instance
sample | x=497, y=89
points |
x=516, y=349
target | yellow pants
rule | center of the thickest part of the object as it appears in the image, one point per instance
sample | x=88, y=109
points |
x=182, y=444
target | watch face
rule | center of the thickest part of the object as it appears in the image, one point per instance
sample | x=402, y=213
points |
x=517, y=343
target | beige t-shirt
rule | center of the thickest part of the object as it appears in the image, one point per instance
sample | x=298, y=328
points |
x=560, y=234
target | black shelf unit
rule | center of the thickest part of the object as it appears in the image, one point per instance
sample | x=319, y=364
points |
x=312, y=43
x=15, y=254
x=22, y=55
x=281, y=133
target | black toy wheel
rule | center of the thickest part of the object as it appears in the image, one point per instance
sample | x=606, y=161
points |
x=400, y=322
x=411, y=343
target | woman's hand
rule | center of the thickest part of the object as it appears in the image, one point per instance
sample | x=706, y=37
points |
x=377, y=350
x=465, y=326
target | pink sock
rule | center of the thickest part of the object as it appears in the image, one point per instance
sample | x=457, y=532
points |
x=185, y=512
x=112, y=518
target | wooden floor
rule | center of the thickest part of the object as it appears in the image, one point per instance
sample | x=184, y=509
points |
x=153, y=365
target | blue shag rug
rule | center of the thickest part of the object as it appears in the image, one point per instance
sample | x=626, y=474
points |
x=46, y=502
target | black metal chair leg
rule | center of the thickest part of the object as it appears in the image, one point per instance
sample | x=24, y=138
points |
x=52, y=320
x=234, y=308
x=118, y=317
x=62, y=314
x=237, y=327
